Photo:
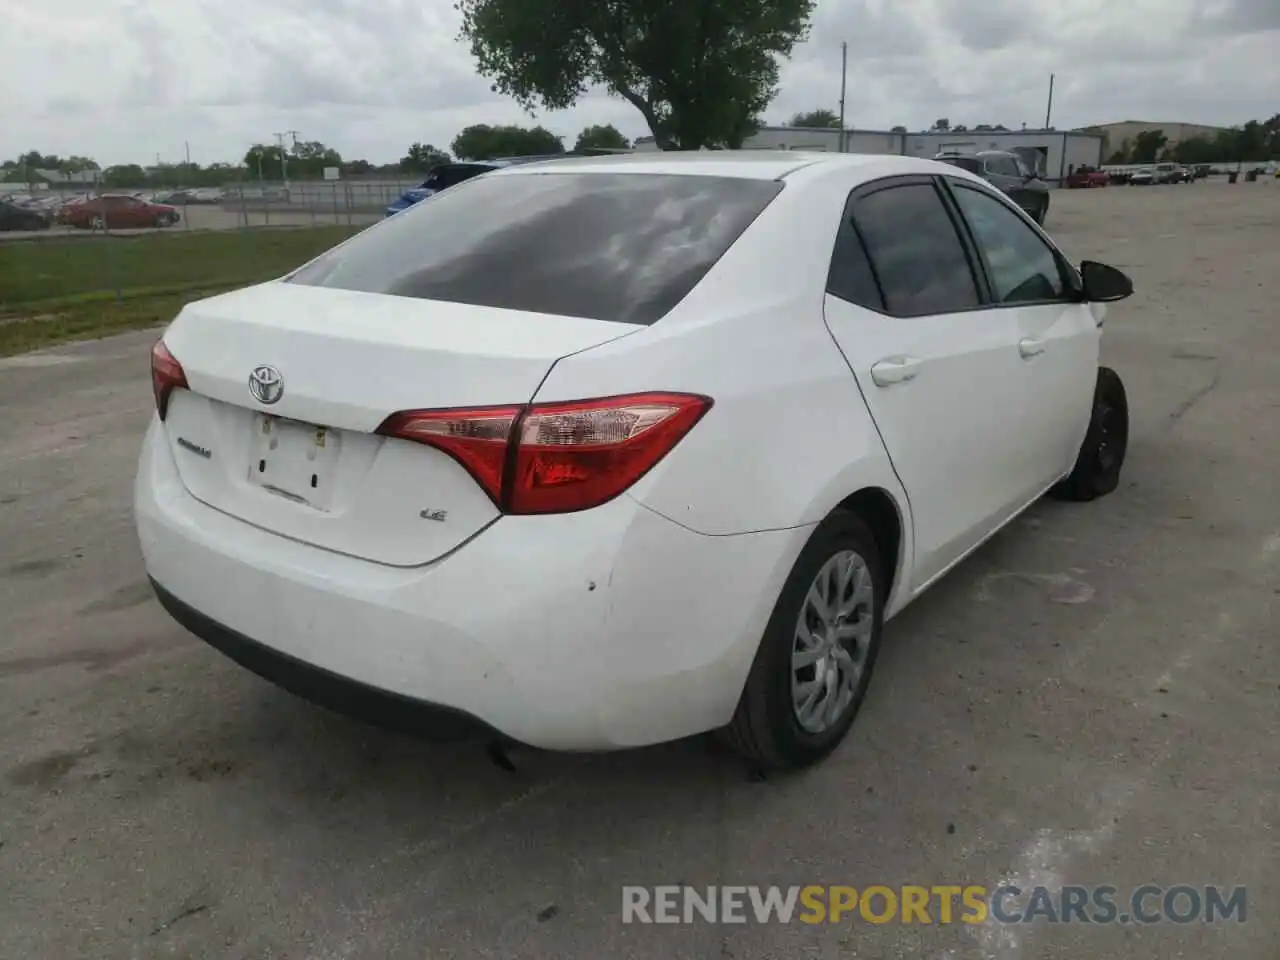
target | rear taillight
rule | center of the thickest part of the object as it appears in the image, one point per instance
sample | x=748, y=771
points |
x=166, y=374
x=556, y=457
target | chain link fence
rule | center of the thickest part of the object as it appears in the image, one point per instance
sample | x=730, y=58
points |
x=115, y=260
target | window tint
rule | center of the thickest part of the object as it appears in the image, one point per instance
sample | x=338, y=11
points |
x=624, y=247
x=916, y=251
x=850, y=276
x=1022, y=266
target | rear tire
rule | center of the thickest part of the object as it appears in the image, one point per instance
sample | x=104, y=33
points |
x=1101, y=457
x=811, y=671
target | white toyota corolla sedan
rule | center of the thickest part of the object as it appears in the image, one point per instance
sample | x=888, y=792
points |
x=603, y=452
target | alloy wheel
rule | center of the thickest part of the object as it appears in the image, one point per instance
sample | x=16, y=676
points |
x=832, y=641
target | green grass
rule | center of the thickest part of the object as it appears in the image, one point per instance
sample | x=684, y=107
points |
x=58, y=289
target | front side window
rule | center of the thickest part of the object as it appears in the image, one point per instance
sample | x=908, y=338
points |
x=1022, y=266
x=621, y=247
x=915, y=250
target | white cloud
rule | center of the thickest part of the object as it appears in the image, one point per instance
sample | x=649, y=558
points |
x=125, y=80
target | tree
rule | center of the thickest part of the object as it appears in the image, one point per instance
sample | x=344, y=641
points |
x=699, y=73
x=941, y=125
x=960, y=128
x=483, y=142
x=1147, y=146
x=308, y=158
x=607, y=137
x=822, y=118
x=1195, y=150
x=357, y=167
x=421, y=157
x=898, y=129
x=124, y=175
x=1119, y=158
x=1251, y=142
x=263, y=162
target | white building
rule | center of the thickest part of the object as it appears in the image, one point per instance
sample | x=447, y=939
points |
x=1060, y=151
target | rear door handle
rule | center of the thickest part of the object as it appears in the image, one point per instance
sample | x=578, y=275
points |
x=1030, y=347
x=894, y=370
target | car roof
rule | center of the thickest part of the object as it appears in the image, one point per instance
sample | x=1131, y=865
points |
x=742, y=164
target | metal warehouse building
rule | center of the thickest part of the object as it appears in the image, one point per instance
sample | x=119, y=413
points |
x=1060, y=151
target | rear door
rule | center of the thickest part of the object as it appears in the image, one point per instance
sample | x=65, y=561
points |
x=1058, y=337
x=940, y=372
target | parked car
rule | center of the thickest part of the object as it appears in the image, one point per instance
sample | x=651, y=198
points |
x=449, y=174
x=539, y=459
x=1170, y=173
x=1009, y=174
x=1087, y=177
x=14, y=216
x=1142, y=178
x=117, y=211
x=180, y=198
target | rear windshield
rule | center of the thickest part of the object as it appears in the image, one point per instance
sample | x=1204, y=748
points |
x=622, y=247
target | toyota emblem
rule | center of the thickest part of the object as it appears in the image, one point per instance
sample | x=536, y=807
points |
x=266, y=384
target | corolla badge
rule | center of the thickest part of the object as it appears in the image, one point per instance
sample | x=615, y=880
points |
x=266, y=384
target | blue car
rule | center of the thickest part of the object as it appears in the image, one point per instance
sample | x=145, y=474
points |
x=449, y=174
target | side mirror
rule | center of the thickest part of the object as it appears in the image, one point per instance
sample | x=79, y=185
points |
x=1104, y=284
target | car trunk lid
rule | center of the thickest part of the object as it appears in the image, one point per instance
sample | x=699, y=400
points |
x=308, y=463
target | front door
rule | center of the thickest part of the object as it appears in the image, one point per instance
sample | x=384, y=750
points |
x=1057, y=334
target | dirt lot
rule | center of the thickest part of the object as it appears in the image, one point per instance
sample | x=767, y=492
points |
x=1094, y=698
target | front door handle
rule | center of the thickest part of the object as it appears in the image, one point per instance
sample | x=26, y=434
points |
x=1030, y=347
x=894, y=370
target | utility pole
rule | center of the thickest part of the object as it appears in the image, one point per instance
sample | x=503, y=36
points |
x=844, y=74
x=1048, y=111
x=284, y=164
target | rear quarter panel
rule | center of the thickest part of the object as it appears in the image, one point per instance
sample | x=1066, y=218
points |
x=789, y=435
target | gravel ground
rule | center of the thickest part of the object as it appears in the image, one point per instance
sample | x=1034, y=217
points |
x=1093, y=698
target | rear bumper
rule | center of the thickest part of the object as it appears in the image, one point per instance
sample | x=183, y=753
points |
x=341, y=694
x=609, y=628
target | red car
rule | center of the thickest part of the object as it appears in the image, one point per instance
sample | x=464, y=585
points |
x=117, y=211
x=1087, y=177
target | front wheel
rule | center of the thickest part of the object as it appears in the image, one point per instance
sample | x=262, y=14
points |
x=814, y=663
x=1097, y=469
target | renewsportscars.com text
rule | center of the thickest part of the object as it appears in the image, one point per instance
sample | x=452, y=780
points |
x=939, y=904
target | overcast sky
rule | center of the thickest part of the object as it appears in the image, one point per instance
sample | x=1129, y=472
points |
x=125, y=80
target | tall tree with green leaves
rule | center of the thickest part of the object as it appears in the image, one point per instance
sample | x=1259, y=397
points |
x=817, y=118
x=483, y=142
x=1147, y=146
x=606, y=137
x=700, y=73
x=421, y=157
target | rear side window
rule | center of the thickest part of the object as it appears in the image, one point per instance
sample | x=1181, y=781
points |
x=850, y=276
x=915, y=250
x=622, y=247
